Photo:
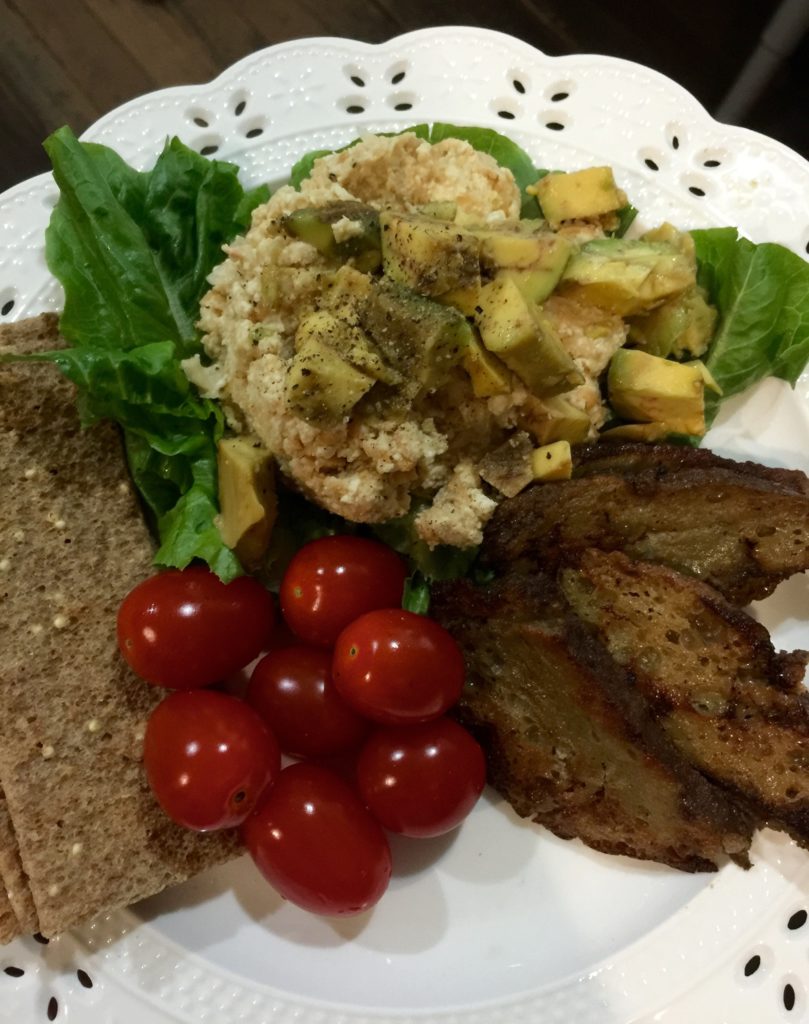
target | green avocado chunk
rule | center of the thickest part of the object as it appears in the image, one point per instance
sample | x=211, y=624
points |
x=654, y=390
x=358, y=239
x=626, y=277
x=420, y=339
x=516, y=331
x=681, y=327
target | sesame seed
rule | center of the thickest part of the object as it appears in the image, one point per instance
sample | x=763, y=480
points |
x=60, y=524
x=93, y=725
x=18, y=535
x=35, y=628
x=53, y=890
x=123, y=488
x=75, y=849
x=60, y=621
x=5, y=565
x=29, y=474
x=48, y=752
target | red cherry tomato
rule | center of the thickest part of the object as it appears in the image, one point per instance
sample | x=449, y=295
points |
x=208, y=758
x=333, y=580
x=421, y=780
x=186, y=628
x=397, y=668
x=292, y=690
x=313, y=840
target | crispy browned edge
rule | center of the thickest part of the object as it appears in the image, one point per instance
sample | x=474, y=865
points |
x=73, y=542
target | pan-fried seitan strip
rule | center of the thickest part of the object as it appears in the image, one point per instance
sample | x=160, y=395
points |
x=739, y=527
x=732, y=706
x=569, y=742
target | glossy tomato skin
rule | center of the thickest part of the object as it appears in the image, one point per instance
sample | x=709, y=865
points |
x=185, y=628
x=398, y=668
x=316, y=843
x=208, y=758
x=292, y=689
x=333, y=580
x=421, y=780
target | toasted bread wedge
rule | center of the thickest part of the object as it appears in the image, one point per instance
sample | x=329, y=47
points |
x=732, y=706
x=739, y=527
x=72, y=544
x=568, y=741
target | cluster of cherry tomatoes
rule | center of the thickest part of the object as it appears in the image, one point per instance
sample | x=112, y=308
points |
x=348, y=674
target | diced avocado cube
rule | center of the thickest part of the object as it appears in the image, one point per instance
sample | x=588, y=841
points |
x=439, y=210
x=247, y=498
x=347, y=288
x=626, y=276
x=708, y=378
x=488, y=375
x=340, y=231
x=648, y=432
x=427, y=255
x=683, y=325
x=344, y=336
x=420, y=338
x=552, y=461
x=508, y=467
x=321, y=386
x=655, y=390
x=465, y=300
x=517, y=332
x=499, y=249
x=556, y=419
x=538, y=281
x=577, y=195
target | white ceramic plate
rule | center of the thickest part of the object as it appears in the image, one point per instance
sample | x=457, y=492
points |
x=501, y=923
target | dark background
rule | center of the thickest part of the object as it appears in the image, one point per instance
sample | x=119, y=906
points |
x=69, y=61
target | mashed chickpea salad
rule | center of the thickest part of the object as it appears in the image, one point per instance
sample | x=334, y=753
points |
x=414, y=328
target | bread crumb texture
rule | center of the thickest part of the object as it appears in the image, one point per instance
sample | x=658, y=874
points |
x=369, y=468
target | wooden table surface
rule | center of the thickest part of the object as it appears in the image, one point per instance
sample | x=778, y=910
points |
x=69, y=61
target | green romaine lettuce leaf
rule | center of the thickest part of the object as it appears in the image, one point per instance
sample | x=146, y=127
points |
x=133, y=251
x=507, y=153
x=762, y=294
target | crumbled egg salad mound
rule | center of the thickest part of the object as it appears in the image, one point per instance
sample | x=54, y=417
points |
x=394, y=333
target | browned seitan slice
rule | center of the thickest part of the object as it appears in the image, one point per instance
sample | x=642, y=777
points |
x=732, y=705
x=568, y=742
x=72, y=543
x=739, y=527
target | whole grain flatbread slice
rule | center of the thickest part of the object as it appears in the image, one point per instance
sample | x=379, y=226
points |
x=72, y=544
x=16, y=890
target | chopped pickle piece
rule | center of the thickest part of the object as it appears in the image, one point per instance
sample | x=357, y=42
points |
x=508, y=467
x=683, y=325
x=340, y=231
x=247, y=497
x=488, y=375
x=518, y=333
x=626, y=277
x=655, y=390
x=321, y=386
x=590, y=192
x=555, y=419
x=552, y=461
x=427, y=255
x=421, y=339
